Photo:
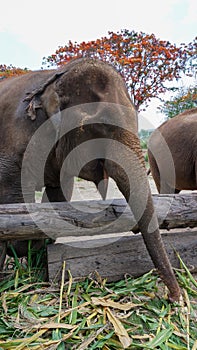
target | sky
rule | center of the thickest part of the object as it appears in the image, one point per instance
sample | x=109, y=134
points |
x=30, y=31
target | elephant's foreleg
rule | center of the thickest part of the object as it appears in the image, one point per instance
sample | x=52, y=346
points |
x=154, y=170
x=59, y=194
x=13, y=190
x=163, y=171
x=10, y=191
x=53, y=194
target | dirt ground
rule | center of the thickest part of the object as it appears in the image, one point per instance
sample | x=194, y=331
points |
x=86, y=190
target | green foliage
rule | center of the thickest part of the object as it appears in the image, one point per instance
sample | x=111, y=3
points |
x=32, y=268
x=144, y=137
x=185, y=99
x=143, y=144
x=145, y=134
x=132, y=313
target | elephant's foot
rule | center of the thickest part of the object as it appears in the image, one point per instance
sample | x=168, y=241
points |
x=175, y=297
x=55, y=194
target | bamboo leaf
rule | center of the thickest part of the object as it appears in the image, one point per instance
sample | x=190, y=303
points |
x=119, y=329
x=90, y=339
x=31, y=339
x=160, y=338
x=53, y=325
x=195, y=346
x=110, y=303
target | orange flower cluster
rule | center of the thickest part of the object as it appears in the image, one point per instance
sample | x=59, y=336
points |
x=10, y=71
x=144, y=61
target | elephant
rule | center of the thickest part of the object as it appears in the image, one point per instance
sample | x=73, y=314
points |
x=85, y=125
x=172, y=153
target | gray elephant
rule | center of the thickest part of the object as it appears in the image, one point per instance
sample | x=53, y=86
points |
x=173, y=153
x=76, y=121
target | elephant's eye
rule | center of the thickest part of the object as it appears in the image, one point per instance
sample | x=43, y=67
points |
x=64, y=101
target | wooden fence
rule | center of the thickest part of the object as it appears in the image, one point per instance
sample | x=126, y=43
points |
x=96, y=235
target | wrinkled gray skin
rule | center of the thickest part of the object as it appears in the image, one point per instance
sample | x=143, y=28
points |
x=80, y=81
x=180, y=135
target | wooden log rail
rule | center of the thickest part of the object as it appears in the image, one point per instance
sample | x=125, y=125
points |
x=106, y=251
x=112, y=259
x=86, y=218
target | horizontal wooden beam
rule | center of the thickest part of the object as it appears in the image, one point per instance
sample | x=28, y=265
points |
x=86, y=218
x=112, y=260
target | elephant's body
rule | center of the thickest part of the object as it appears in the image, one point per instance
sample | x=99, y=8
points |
x=16, y=131
x=19, y=119
x=180, y=136
x=17, y=128
x=77, y=121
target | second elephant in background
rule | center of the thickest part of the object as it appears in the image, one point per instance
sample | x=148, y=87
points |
x=172, y=153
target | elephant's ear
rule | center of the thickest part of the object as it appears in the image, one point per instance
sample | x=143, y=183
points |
x=35, y=98
x=34, y=104
x=51, y=105
x=50, y=101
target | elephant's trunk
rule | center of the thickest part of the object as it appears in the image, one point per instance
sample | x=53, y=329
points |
x=126, y=166
x=152, y=238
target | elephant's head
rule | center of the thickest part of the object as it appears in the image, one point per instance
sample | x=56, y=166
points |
x=97, y=133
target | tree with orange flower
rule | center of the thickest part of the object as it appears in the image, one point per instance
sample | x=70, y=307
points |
x=10, y=71
x=186, y=98
x=145, y=62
